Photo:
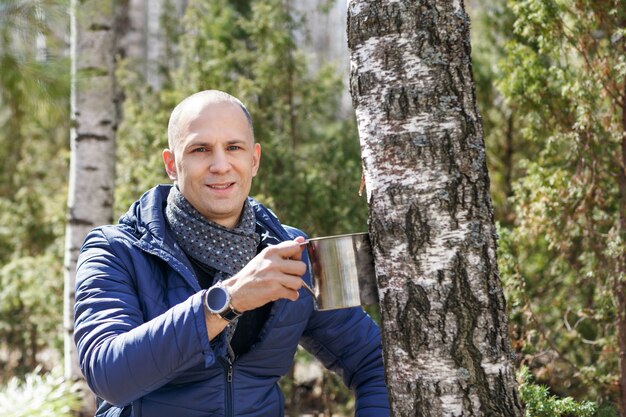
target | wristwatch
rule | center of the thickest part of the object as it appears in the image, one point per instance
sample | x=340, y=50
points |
x=217, y=301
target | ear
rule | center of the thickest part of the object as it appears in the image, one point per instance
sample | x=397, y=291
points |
x=170, y=164
x=256, y=159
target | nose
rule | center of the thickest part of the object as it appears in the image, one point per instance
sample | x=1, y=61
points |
x=219, y=163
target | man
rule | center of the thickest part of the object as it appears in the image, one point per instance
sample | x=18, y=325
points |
x=193, y=304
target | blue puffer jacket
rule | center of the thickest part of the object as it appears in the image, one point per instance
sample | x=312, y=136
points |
x=142, y=340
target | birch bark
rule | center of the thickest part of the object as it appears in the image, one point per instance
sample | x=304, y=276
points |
x=92, y=142
x=445, y=342
x=132, y=36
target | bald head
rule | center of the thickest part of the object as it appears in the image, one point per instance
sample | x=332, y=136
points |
x=197, y=102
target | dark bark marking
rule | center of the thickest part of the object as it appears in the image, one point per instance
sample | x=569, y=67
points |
x=421, y=403
x=417, y=230
x=362, y=83
x=374, y=20
x=79, y=222
x=497, y=303
x=393, y=229
x=397, y=195
x=396, y=104
x=415, y=149
x=98, y=27
x=467, y=308
x=451, y=200
x=88, y=136
x=382, y=280
x=412, y=319
x=403, y=102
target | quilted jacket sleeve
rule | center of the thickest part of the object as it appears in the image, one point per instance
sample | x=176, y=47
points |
x=122, y=355
x=348, y=342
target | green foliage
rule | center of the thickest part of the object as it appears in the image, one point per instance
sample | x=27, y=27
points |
x=39, y=395
x=561, y=78
x=31, y=86
x=540, y=403
x=31, y=293
x=140, y=138
x=492, y=25
x=34, y=114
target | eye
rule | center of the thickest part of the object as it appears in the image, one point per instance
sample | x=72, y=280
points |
x=200, y=149
x=233, y=148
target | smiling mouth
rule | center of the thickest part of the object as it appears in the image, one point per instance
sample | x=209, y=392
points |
x=220, y=186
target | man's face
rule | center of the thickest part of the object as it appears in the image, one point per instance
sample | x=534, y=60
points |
x=214, y=160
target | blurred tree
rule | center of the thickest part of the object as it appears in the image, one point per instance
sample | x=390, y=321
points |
x=445, y=340
x=28, y=77
x=565, y=73
x=492, y=29
x=34, y=101
x=92, y=162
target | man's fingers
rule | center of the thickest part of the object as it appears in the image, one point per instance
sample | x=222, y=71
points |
x=299, y=241
x=290, y=282
x=273, y=274
x=290, y=249
x=290, y=294
x=293, y=267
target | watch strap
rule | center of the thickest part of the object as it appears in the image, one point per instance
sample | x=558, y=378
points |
x=230, y=313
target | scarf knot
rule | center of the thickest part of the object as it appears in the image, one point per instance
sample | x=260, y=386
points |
x=223, y=249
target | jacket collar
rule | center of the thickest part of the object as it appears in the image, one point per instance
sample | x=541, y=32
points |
x=147, y=216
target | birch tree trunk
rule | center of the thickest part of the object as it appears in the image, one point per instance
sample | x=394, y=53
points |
x=92, y=142
x=132, y=38
x=445, y=342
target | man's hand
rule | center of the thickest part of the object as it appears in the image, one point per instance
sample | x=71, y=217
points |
x=274, y=273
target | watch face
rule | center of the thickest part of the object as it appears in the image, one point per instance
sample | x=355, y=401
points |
x=217, y=299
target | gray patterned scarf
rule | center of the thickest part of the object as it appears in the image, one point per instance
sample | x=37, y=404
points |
x=226, y=250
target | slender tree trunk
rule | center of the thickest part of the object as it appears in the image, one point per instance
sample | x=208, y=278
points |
x=509, y=150
x=143, y=39
x=13, y=148
x=155, y=43
x=92, y=142
x=320, y=38
x=445, y=342
x=620, y=286
x=132, y=41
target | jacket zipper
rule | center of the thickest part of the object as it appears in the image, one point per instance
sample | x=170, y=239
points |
x=228, y=364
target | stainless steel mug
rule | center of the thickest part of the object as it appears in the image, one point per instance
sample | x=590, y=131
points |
x=343, y=271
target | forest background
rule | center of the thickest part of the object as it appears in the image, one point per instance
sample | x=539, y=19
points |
x=550, y=78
